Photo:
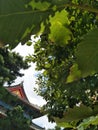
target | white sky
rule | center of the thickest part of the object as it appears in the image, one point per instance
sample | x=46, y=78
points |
x=29, y=79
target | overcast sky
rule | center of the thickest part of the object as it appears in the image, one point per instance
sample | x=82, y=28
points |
x=29, y=79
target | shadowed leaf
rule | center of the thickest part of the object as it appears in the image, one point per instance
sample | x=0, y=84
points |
x=87, y=54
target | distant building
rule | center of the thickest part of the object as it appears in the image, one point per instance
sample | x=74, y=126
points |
x=31, y=111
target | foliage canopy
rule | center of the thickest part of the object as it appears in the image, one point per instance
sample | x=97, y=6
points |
x=10, y=65
x=66, y=54
x=15, y=120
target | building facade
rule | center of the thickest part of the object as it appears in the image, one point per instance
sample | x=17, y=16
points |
x=19, y=98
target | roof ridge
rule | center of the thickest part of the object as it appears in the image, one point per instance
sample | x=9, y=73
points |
x=21, y=84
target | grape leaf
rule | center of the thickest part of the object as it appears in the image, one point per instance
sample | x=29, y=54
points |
x=74, y=73
x=87, y=54
x=19, y=19
x=65, y=125
x=89, y=121
x=59, y=32
x=22, y=18
x=77, y=113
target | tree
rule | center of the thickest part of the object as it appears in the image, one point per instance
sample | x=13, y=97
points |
x=66, y=55
x=15, y=120
x=10, y=65
x=66, y=82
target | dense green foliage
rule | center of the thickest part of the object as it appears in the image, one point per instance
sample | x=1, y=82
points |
x=15, y=120
x=66, y=54
x=10, y=65
x=67, y=59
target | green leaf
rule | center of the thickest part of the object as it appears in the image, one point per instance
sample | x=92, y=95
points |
x=89, y=121
x=29, y=43
x=59, y=32
x=1, y=60
x=87, y=54
x=19, y=19
x=39, y=5
x=22, y=18
x=64, y=124
x=74, y=74
x=77, y=113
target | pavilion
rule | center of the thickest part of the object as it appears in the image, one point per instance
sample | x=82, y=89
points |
x=19, y=97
